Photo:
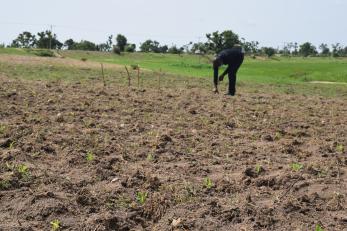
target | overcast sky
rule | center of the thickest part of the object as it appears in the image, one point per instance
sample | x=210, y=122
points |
x=271, y=22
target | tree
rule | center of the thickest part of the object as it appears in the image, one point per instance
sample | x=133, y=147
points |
x=70, y=44
x=250, y=47
x=269, y=51
x=109, y=43
x=121, y=42
x=337, y=50
x=220, y=41
x=175, y=50
x=130, y=48
x=153, y=46
x=47, y=40
x=24, y=40
x=86, y=46
x=307, y=49
x=324, y=49
x=199, y=48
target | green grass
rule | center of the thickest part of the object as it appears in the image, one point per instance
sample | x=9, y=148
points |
x=282, y=75
x=278, y=70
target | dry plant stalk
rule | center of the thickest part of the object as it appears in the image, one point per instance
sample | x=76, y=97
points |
x=129, y=79
x=103, y=75
x=138, y=77
x=159, y=78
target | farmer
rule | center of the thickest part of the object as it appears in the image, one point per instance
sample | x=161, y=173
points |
x=233, y=58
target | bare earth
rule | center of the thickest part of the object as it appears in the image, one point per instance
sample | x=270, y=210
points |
x=206, y=162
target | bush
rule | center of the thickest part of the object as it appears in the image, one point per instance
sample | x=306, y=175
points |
x=44, y=53
x=116, y=50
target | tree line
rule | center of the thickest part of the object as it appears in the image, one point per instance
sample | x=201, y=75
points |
x=216, y=42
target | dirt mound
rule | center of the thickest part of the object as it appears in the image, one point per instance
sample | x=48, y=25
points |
x=87, y=158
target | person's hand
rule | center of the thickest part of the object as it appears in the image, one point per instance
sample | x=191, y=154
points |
x=215, y=90
x=221, y=78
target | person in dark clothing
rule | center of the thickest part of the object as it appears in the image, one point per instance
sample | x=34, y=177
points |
x=233, y=58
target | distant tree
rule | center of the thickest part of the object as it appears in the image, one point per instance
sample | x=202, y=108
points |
x=250, y=47
x=307, y=49
x=175, y=50
x=116, y=50
x=85, y=45
x=109, y=43
x=163, y=49
x=337, y=50
x=324, y=49
x=199, y=48
x=269, y=51
x=70, y=44
x=153, y=46
x=220, y=41
x=295, y=47
x=24, y=40
x=2, y=45
x=130, y=48
x=48, y=40
x=121, y=42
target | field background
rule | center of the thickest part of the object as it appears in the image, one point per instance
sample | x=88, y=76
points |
x=77, y=152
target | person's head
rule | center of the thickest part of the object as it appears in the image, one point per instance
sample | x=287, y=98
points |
x=217, y=63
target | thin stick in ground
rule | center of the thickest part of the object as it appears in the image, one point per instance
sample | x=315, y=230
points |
x=103, y=75
x=138, y=77
x=129, y=79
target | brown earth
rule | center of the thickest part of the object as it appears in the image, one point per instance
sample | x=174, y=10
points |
x=205, y=162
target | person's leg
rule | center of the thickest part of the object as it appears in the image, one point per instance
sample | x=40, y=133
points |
x=232, y=81
x=232, y=74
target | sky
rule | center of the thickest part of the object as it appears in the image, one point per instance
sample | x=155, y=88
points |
x=271, y=22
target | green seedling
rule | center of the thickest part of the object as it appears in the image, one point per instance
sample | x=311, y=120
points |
x=150, y=157
x=278, y=136
x=258, y=169
x=55, y=224
x=23, y=170
x=340, y=148
x=90, y=156
x=296, y=167
x=141, y=197
x=2, y=129
x=319, y=228
x=4, y=184
x=12, y=145
x=208, y=183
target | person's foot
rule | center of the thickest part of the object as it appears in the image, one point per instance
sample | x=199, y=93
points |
x=229, y=94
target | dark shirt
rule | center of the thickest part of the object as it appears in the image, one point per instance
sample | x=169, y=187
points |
x=227, y=57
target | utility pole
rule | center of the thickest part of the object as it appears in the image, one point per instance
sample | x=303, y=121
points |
x=50, y=38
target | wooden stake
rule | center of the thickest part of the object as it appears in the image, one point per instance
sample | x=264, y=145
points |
x=138, y=77
x=129, y=79
x=103, y=75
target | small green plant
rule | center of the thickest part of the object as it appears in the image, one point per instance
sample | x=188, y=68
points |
x=55, y=224
x=5, y=184
x=340, y=148
x=278, y=135
x=84, y=59
x=208, y=183
x=141, y=197
x=258, y=168
x=319, y=228
x=12, y=145
x=90, y=156
x=2, y=129
x=150, y=157
x=296, y=167
x=23, y=170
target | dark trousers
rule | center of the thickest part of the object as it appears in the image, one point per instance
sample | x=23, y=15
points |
x=233, y=68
